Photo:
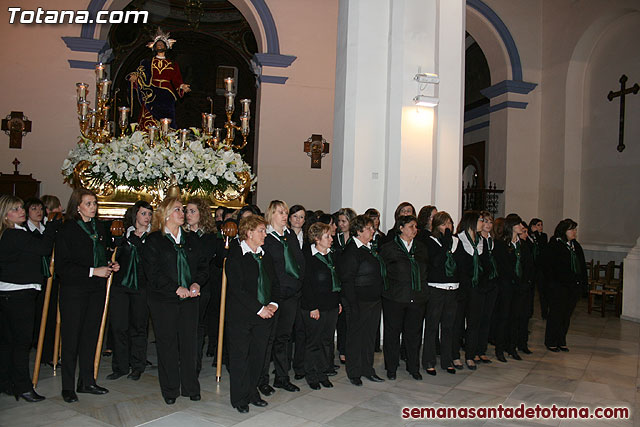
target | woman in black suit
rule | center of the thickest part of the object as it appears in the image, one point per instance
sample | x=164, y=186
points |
x=540, y=241
x=83, y=266
x=175, y=267
x=486, y=294
x=320, y=305
x=252, y=300
x=361, y=272
x=128, y=311
x=21, y=278
x=443, y=281
x=564, y=266
x=404, y=299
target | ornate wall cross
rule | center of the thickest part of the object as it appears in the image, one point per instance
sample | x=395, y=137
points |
x=16, y=125
x=622, y=93
x=316, y=147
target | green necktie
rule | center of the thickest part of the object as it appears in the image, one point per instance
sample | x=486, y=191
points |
x=476, y=261
x=328, y=261
x=450, y=265
x=574, y=258
x=383, y=267
x=290, y=265
x=492, y=260
x=130, y=279
x=184, y=273
x=45, y=266
x=99, y=254
x=415, y=269
x=518, y=259
x=264, y=283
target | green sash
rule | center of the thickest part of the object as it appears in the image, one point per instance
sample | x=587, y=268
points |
x=415, y=269
x=492, y=260
x=184, y=273
x=99, y=253
x=45, y=266
x=291, y=266
x=130, y=279
x=450, y=265
x=477, y=268
x=383, y=267
x=575, y=269
x=264, y=283
x=518, y=246
x=328, y=261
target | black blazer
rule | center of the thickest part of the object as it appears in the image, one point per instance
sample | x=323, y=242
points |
x=317, y=285
x=438, y=258
x=242, y=283
x=21, y=254
x=464, y=261
x=160, y=263
x=505, y=255
x=359, y=272
x=399, y=272
x=213, y=249
x=556, y=263
x=123, y=256
x=74, y=257
x=378, y=240
x=289, y=285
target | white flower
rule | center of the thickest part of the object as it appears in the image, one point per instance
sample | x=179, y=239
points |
x=213, y=180
x=133, y=159
x=229, y=176
x=227, y=156
x=66, y=164
x=140, y=167
x=121, y=168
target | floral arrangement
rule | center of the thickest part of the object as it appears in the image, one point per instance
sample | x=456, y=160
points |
x=131, y=161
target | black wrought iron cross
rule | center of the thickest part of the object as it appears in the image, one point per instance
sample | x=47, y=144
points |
x=622, y=93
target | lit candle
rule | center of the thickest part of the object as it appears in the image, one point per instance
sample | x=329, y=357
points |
x=244, y=124
x=92, y=118
x=153, y=131
x=164, y=125
x=183, y=136
x=99, y=71
x=216, y=136
x=81, y=89
x=230, y=98
x=228, y=84
x=245, y=106
x=105, y=86
x=124, y=116
x=105, y=113
x=83, y=109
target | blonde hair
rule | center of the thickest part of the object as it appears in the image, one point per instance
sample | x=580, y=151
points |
x=273, y=206
x=248, y=224
x=160, y=215
x=7, y=202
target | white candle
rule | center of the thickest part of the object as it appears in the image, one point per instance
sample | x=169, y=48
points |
x=105, y=113
x=152, y=134
x=83, y=108
x=105, y=85
x=228, y=83
x=245, y=106
x=164, y=125
x=230, y=98
x=244, y=124
x=92, y=118
x=81, y=89
x=124, y=116
x=183, y=136
x=99, y=71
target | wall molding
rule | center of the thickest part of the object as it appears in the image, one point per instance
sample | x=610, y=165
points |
x=279, y=80
x=83, y=65
x=476, y=127
x=508, y=86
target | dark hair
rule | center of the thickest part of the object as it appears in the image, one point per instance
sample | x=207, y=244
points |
x=534, y=221
x=400, y=207
x=293, y=209
x=438, y=219
x=468, y=221
x=74, y=201
x=248, y=208
x=509, y=222
x=358, y=224
x=372, y=212
x=402, y=221
x=34, y=201
x=564, y=226
x=325, y=218
x=425, y=216
x=132, y=212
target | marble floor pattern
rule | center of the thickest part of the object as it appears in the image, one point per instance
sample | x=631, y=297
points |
x=600, y=370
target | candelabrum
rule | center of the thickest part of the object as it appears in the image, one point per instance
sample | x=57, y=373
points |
x=94, y=122
x=213, y=135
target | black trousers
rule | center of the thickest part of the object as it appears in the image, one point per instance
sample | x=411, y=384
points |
x=247, y=350
x=80, y=314
x=562, y=302
x=17, y=311
x=318, y=344
x=486, y=302
x=128, y=319
x=406, y=319
x=510, y=317
x=361, y=337
x=176, y=328
x=459, y=330
x=341, y=329
x=288, y=309
x=523, y=316
x=441, y=312
x=203, y=310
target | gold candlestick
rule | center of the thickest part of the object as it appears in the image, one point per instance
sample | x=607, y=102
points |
x=123, y=119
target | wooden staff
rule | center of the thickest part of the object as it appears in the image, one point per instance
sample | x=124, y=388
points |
x=229, y=230
x=117, y=229
x=43, y=322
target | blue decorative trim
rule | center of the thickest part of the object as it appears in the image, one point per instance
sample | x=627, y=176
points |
x=505, y=35
x=480, y=111
x=476, y=127
x=270, y=30
x=510, y=86
x=84, y=65
x=279, y=80
x=508, y=104
x=274, y=60
x=80, y=44
x=94, y=7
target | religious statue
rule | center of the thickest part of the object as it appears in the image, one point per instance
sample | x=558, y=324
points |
x=158, y=83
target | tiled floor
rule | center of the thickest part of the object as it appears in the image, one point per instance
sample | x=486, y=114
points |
x=600, y=370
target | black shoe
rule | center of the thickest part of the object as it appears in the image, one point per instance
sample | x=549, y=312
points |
x=374, y=378
x=169, y=400
x=355, y=381
x=314, y=386
x=266, y=389
x=342, y=361
x=326, y=384
x=431, y=371
x=471, y=367
x=417, y=376
x=134, y=375
x=115, y=375
x=298, y=376
x=554, y=349
x=259, y=403
x=458, y=367
x=377, y=350
x=563, y=348
x=515, y=355
x=91, y=389
x=69, y=396
x=391, y=375
x=107, y=353
x=331, y=373
x=30, y=396
x=288, y=386
x=195, y=397
x=336, y=366
x=526, y=350
x=451, y=370
x=243, y=409
x=500, y=357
